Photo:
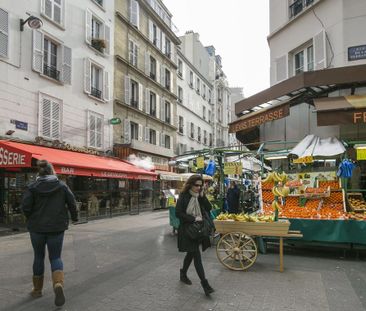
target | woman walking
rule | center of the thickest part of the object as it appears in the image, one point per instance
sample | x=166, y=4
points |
x=192, y=206
x=47, y=218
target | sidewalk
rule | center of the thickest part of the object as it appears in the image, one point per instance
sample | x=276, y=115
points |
x=132, y=263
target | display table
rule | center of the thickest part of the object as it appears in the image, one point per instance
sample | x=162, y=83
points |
x=336, y=231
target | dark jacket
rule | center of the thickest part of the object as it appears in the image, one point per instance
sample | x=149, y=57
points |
x=44, y=205
x=233, y=196
x=185, y=244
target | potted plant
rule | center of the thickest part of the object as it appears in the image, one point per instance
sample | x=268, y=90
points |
x=99, y=44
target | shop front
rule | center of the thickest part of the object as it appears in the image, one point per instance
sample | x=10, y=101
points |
x=103, y=186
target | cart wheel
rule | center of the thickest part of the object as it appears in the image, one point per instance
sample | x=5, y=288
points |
x=236, y=250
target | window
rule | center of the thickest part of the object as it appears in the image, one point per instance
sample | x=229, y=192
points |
x=209, y=96
x=180, y=94
x=54, y=10
x=167, y=79
x=304, y=60
x=154, y=34
x=97, y=33
x=4, y=33
x=133, y=53
x=50, y=116
x=96, y=80
x=297, y=6
x=134, y=130
x=167, y=47
x=205, y=137
x=180, y=68
x=192, y=130
x=210, y=135
x=135, y=13
x=204, y=112
x=95, y=130
x=152, y=111
x=152, y=68
x=199, y=134
x=167, y=112
x=191, y=79
x=204, y=91
x=209, y=116
x=99, y=2
x=219, y=95
x=219, y=117
x=180, y=125
x=134, y=91
x=198, y=85
x=152, y=136
x=51, y=58
x=167, y=141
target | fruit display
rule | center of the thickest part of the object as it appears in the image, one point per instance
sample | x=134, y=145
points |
x=276, y=177
x=267, y=196
x=333, y=184
x=356, y=202
x=316, y=190
x=267, y=185
x=245, y=217
x=294, y=183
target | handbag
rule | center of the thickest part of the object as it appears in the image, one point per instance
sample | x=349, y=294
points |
x=199, y=229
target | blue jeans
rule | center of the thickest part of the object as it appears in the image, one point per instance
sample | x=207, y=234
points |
x=54, y=247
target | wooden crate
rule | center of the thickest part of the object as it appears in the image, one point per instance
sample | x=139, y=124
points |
x=276, y=228
x=356, y=208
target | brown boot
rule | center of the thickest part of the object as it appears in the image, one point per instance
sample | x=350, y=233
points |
x=58, y=287
x=37, y=286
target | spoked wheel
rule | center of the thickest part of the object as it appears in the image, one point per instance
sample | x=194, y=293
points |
x=236, y=251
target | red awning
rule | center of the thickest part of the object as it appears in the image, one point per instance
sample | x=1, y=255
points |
x=13, y=154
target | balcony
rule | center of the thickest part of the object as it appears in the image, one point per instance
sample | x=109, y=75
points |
x=95, y=92
x=134, y=103
x=180, y=74
x=167, y=120
x=167, y=86
x=51, y=72
x=299, y=5
x=153, y=113
x=181, y=129
x=152, y=75
x=168, y=54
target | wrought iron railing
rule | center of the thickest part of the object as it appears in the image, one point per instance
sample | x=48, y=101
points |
x=51, y=72
x=95, y=92
x=298, y=5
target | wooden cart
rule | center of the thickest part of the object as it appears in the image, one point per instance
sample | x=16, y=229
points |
x=237, y=249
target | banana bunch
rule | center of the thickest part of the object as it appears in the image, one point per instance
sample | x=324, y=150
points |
x=281, y=191
x=276, y=177
x=242, y=217
x=275, y=205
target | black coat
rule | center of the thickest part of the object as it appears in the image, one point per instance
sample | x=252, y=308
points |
x=233, y=196
x=44, y=205
x=185, y=244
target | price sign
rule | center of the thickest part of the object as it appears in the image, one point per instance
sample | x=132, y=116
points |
x=200, y=161
x=307, y=159
x=361, y=154
x=233, y=168
x=171, y=201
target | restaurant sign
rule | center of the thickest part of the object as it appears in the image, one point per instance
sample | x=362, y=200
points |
x=260, y=118
x=12, y=157
x=354, y=116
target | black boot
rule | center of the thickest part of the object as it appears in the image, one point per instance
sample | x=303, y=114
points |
x=207, y=288
x=184, y=278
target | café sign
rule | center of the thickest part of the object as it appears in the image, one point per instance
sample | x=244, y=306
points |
x=260, y=118
x=12, y=157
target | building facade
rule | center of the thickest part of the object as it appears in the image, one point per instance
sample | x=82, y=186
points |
x=57, y=81
x=145, y=81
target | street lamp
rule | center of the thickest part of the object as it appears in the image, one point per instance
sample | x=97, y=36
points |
x=33, y=22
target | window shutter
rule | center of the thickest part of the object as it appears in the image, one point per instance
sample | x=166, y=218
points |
x=106, y=92
x=87, y=76
x=92, y=130
x=320, y=51
x=127, y=90
x=162, y=75
x=147, y=64
x=158, y=68
x=4, y=33
x=162, y=109
x=157, y=138
x=157, y=106
x=107, y=38
x=37, y=63
x=46, y=118
x=55, y=120
x=126, y=131
x=47, y=8
x=163, y=42
x=158, y=38
x=57, y=11
x=151, y=31
x=162, y=139
x=141, y=98
x=188, y=129
x=66, y=64
x=147, y=101
x=147, y=134
x=88, y=26
x=134, y=13
x=99, y=130
x=140, y=133
x=281, y=68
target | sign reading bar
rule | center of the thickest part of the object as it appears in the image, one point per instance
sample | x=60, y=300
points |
x=307, y=159
x=260, y=118
x=233, y=168
x=361, y=154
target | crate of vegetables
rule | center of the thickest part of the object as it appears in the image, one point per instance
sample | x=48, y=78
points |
x=316, y=193
x=356, y=202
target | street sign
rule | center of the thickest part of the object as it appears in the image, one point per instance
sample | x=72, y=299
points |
x=115, y=121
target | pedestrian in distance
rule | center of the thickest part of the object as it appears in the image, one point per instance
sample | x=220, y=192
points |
x=44, y=206
x=233, y=198
x=192, y=206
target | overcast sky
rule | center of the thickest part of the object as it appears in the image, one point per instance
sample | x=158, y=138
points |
x=238, y=29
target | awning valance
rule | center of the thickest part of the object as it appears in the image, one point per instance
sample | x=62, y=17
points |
x=14, y=154
x=340, y=103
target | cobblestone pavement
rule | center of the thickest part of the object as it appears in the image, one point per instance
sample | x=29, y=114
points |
x=131, y=263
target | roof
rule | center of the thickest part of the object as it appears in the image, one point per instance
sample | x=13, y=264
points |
x=304, y=86
x=69, y=162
